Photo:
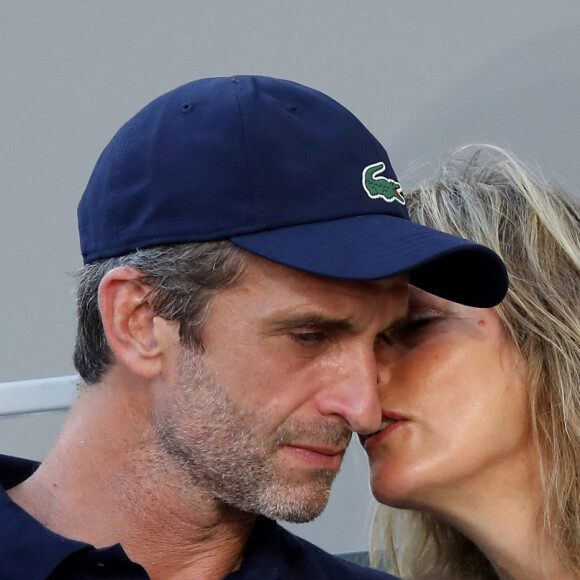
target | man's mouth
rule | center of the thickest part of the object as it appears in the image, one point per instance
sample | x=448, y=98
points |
x=319, y=455
x=322, y=449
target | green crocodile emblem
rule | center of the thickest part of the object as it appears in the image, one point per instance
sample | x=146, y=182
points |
x=380, y=186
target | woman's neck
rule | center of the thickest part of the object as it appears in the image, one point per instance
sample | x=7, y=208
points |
x=503, y=519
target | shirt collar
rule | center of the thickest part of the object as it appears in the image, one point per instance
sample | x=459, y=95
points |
x=28, y=550
x=263, y=557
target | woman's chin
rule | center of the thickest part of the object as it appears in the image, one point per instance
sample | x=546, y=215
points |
x=393, y=490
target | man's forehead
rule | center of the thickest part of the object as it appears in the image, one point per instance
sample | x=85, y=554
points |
x=270, y=299
x=277, y=294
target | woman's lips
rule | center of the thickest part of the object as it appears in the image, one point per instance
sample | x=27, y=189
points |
x=389, y=423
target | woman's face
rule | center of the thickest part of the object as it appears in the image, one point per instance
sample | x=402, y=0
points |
x=455, y=401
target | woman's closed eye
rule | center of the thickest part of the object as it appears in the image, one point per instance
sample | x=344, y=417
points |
x=415, y=325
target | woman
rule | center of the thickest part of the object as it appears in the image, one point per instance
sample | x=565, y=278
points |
x=480, y=443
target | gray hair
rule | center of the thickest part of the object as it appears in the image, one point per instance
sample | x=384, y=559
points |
x=486, y=194
x=183, y=278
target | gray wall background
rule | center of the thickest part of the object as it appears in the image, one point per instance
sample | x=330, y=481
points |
x=424, y=75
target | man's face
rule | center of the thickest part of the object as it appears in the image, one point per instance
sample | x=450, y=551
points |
x=261, y=416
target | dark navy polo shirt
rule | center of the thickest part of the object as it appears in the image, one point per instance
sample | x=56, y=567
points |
x=30, y=551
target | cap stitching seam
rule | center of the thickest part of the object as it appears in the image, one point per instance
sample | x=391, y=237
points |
x=252, y=170
x=115, y=176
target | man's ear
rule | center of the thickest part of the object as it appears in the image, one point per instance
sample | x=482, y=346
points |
x=128, y=320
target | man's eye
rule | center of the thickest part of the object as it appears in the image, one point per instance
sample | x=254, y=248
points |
x=308, y=337
x=382, y=339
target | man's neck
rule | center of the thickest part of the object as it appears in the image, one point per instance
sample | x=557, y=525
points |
x=103, y=485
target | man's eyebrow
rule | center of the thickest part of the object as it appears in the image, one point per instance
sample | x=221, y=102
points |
x=314, y=321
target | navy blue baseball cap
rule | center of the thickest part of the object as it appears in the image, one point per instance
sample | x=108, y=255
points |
x=284, y=172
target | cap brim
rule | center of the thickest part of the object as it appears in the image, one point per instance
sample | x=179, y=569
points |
x=369, y=247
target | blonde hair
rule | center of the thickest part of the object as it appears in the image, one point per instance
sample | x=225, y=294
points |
x=484, y=193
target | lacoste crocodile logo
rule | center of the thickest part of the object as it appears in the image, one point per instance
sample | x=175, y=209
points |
x=380, y=186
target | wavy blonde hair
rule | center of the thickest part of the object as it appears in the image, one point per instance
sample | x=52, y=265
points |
x=484, y=193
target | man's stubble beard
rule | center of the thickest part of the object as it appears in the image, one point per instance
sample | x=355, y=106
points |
x=224, y=452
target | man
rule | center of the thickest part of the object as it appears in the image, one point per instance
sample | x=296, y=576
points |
x=247, y=253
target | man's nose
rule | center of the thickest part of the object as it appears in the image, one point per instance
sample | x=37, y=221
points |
x=353, y=394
